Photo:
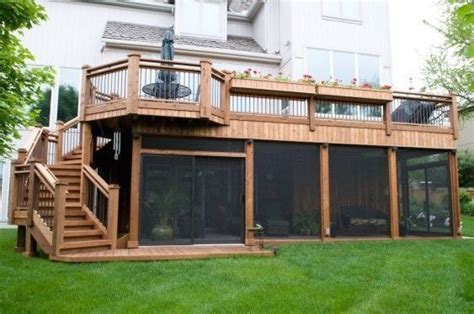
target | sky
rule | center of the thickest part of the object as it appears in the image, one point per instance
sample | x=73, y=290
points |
x=411, y=39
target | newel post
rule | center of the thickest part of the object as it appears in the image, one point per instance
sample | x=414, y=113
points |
x=13, y=198
x=59, y=144
x=133, y=82
x=85, y=92
x=112, y=214
x=205, y=101
x=33, y=193
x=60, y=192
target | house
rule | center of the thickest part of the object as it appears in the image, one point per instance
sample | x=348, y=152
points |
x=165, y=155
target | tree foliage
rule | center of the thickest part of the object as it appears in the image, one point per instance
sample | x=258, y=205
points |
x=466, y=169
x=450, y=67
x=20, y=85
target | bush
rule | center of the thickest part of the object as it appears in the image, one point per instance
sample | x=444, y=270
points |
x=467, y=204
x=466, y=169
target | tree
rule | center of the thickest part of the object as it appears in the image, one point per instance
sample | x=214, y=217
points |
x=20, y=84
x=67, y=105
x=466, y=169
x=450, y=67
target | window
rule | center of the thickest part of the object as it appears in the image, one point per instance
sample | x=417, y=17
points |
x=202, y=18
x=344, y=66
x=328, y=64
x=342, y=9
x=318, y=63
x=369, y=69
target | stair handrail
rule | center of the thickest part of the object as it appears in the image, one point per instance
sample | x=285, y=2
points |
x=61, y=129
x=38, y=149
x=111, y=193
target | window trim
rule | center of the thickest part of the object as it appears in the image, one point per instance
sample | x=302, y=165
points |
x=340, y=17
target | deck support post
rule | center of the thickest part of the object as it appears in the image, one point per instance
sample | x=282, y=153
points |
x=85, y=92
x=454, y=190
x=205, y=101
x=59, y=216
x=325, y=196
x=30, y=244
x=20, y=239
x=133, y=82
x=249, y=193
x=112, y=214
x=86, y=157
x=393, y=193
x=134, y=192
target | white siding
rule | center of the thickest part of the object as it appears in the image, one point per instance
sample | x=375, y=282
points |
x=466, y=135
x=239, y=28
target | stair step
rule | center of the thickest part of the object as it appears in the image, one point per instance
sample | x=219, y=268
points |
x=85, y=244
x=75, y=213
x=82, y=233
x=74, y=223
x=70, y=162
x=64, y=167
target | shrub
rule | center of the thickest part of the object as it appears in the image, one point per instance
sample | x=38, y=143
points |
x=467, y=204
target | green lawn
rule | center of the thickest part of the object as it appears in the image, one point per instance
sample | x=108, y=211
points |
x=468, y=226
x=359, y=277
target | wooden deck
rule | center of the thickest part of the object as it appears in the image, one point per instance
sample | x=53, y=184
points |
x=163, y=253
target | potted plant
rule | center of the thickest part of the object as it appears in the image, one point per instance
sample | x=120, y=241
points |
x=305, y=223
x=164, y=205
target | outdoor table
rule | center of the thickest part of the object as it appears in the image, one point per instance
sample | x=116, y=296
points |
x=166, y=90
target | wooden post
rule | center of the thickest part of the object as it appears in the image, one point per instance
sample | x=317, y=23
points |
x=86, y=157
x=85, y=92
x=33, y=194
x=30, y=244
x=225, y=99
x=20, y=239
x=60, y=191
x=454, y=183
x=454, y=117
x=112, y=214
x=13, y=198
x=325, y=196
x=133, y=82
x=59, y=144
x=393, y=193
x=134, y=192
x=388, y=118
x=205, y=102
x=312, y=113
x=249, y=193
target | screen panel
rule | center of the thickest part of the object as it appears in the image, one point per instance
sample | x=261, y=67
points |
x=358, y=191
x=424, y=190
x=287, y=193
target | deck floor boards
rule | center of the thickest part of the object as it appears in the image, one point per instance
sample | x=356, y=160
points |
x=164, y=253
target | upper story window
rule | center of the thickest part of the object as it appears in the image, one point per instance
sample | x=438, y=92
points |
x=201, y=18
x=327, y=65
x=342, y=9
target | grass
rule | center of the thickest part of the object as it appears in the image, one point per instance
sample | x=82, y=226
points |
x=468, y=226
x=421, y=276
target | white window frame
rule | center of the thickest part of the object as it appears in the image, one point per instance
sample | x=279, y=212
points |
x=340, y=17
x=331, y=61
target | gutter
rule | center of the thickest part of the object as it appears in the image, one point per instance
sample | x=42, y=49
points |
x=197, y=51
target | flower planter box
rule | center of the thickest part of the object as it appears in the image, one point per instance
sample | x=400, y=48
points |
x=354, y=93
x=271, y=87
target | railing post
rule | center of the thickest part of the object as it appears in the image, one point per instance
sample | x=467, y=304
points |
x=59, y=215
x=112, y=214
x=225, y=98
x=33, y=193
x=388, y=118
x=133, y=82
x=393, y=193
x=59, y=144
x=85, y=92
x=205, y=102
x=86, y=157
x=312, y=113
x=453, y=115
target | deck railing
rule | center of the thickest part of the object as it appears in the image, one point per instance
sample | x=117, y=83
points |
x=146, y=86
x=68, y=137
x=102, y=200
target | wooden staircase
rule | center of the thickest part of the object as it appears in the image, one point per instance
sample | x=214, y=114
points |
x=82, y=232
